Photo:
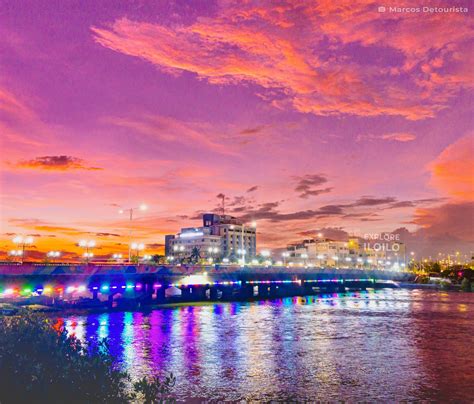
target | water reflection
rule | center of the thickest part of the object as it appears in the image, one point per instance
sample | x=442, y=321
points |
x=388, y=345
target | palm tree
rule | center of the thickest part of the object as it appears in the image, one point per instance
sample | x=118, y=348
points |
x=195, y=255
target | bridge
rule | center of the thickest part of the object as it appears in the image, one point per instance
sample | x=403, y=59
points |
x=73, y=285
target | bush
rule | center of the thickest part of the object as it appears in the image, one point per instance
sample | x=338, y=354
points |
x=40, y=362
x=466, y=285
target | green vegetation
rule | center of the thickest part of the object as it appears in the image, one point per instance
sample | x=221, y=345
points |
x=41, y=363
x=466, y=285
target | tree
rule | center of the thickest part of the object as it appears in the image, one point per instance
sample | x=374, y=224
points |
x=158, y=259
x=195, y=255
x=466, y=285
x=41, y=363
x=435, y=267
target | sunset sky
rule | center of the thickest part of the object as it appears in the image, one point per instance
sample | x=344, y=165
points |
x=309, y=116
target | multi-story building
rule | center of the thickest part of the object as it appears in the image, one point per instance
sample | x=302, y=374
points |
x=220, y=236
x=238, y=239
x=193, y=240
x=354, y=252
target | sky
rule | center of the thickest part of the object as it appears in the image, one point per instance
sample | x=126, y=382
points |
x=309, y=116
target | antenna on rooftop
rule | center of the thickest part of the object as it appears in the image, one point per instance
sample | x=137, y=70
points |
x=223, y=204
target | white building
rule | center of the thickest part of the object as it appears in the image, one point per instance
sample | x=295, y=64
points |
x=221, y=236
x=351, y=253
x=194, y=239
x=238, y=239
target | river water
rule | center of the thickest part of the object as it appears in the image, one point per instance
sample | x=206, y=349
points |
x=383, y=346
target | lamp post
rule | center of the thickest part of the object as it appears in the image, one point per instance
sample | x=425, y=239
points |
x=142, y=207
x=137, y=247
x=320, y=258
x=242, y=252
x=305, y=258
x=22, y=243
x=53, y=254
x=266, y=254
x=117, y=257
x=147, y=258
x=211, y=251
x=88, y=246
x=285, y=255
x=16, y=253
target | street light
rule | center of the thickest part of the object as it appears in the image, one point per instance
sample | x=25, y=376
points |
x=242, y=252
x=117, y=257
x=285, y=255
x=53, y=254
x=141, y=207
x=15, y=253
x=211, y=251
x=305, y=257
x=137, y=247
x=22, y=243
x=87, y=256
x=87, y=245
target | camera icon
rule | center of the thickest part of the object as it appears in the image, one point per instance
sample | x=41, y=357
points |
x=382, y=9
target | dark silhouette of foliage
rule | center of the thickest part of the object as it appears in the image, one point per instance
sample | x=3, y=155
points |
x=195, y=255
x=466, y=285
x=41, y=363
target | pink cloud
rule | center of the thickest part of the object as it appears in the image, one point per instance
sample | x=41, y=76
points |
x=397, y=137
x=453, y=170
x=264, y=46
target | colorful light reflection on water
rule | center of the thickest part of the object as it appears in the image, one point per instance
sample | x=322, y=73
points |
x=387, y=345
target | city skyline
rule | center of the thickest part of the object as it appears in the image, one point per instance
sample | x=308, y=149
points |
x=303, y=122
